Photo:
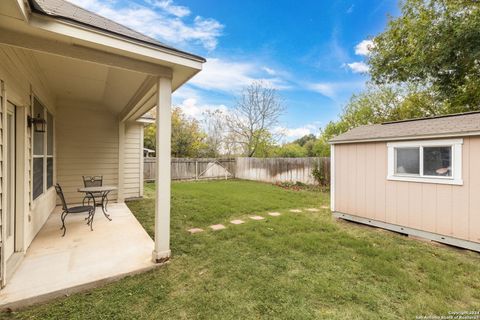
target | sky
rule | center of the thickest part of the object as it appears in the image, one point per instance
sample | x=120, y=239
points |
x=312, y=52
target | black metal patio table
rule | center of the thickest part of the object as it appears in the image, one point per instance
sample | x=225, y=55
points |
x=104, y=191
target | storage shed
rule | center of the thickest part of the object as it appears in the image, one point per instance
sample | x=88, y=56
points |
x=419, y=177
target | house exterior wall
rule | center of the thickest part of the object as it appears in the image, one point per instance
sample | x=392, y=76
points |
x=87, y=144
x=133, y=177
x=362, y=189
x=87, y=138
x=22, y=77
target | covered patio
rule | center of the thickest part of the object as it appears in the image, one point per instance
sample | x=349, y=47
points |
x=55, y=267
x=89, y=79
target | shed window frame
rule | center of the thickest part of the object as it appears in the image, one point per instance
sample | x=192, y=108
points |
x=456, y=161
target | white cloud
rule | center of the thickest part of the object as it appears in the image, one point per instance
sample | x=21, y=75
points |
x=269, y=71
x=364, y=47
x=192, y=108
x=327, y=89
x=168, y=6
x=335, y=90
x=232, y=76
x=358, y=67
x=291, y=134
x=162, y=20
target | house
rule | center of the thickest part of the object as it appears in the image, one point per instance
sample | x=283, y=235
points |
x=89, y=79
x=418, y=177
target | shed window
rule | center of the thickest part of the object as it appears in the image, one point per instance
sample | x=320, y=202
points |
x=430, y=161
x=42, y=164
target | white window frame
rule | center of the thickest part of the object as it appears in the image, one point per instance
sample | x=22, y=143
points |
x=45, y=155
x=455, y=144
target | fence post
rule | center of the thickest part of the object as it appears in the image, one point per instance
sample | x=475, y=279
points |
x=196, y=169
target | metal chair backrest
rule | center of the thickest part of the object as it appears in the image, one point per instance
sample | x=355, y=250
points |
x=59, y=191
x=92, y=181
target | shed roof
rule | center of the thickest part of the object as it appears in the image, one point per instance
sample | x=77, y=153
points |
x=461, y=124
x=64, y=10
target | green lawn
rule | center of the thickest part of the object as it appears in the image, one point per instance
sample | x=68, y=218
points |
x=296, y=266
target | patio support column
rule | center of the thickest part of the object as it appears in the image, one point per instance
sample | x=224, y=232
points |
x=163, y=121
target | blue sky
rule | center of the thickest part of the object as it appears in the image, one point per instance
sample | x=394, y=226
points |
x=311, y=51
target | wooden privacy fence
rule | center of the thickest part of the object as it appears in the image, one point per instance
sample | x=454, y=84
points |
x=193, y=169
x=282, y=169
x=259, y=169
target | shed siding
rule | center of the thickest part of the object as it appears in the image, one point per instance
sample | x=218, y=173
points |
x=363, y=190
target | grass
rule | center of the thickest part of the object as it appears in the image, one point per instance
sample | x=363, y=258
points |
x=296, y=266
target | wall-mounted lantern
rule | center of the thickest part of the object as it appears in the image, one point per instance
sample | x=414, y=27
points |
x=39, y=124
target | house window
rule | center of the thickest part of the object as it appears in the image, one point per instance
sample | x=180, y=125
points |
x=42, y=167
x=429, y=161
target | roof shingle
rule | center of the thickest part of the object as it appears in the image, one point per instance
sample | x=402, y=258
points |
x=443, y=126
x=62, y=9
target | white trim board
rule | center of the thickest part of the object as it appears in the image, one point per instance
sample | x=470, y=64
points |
x=332, y=177
x=470, y=245
x=456, y=165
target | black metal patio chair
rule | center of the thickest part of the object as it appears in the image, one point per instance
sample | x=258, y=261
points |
x=78, y=209
x=92, y=181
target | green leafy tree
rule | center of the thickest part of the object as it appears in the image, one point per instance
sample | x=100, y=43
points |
x=188, y=139
x=434, y=44
x=290, y=150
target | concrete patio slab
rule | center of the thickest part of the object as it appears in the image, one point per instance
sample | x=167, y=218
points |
x=217, y=227
x=295, y=210
x=237, y=221
x=274, y=214
x=195, y=230
x=257, y=218
x=54, y=266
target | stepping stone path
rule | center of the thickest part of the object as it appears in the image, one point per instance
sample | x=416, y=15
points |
x=195, y=230
x=216, y=227
x=295, y=210
x=237, y=221
x=312, y=209
x=274, y=214
x=256, y=218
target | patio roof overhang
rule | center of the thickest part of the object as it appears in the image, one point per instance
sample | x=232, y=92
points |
x=81, y=63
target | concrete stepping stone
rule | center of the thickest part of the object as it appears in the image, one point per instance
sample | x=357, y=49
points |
x=237, y=221
x=274, y=214
x=257, y=218
x=195, y=230
x=217, y=227
x=295, y=210
x=325, y=207
x=312, y=209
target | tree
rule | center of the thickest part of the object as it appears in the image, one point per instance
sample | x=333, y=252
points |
x=434, y=44
x=214, y=126
x=188, y=140
x=187, y=137
x=305, y=139
x=290, y=150
x=256, y=113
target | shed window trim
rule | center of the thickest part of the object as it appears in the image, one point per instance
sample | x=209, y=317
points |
x=455, y=178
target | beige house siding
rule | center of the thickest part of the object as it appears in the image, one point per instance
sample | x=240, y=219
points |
x=22, y=77
x=133, y=159
x=87, y=144
x=361, y=189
